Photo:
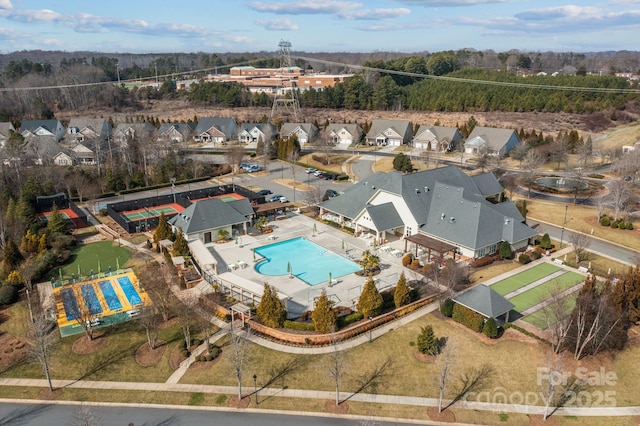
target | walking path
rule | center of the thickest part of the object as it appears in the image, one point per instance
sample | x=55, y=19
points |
x=324, y=395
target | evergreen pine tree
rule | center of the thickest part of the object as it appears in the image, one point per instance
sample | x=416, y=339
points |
x=42, y=243
x=402, y=294
x=505, y=250
x=56, y=224
x=11, y=255
x=545, y=242
x=324, y=318
x=163, y=230
x=490, y=329
x=180, y=246
x=271, y=311
x=427, y=342
x=370, y=301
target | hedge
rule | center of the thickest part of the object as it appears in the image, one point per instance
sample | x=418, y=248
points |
x=525, y=332
x=8, y=295
x=349, y=319
x=299, y=326
x=466, y=316
x=524, y=259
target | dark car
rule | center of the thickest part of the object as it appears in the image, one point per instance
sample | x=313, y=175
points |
x=330, y=193
x=263, y=192
x=330, y=176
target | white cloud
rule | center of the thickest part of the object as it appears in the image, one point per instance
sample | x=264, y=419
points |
x=5, y=4
x=449, y=3
x=278, y=24
x=340, y=9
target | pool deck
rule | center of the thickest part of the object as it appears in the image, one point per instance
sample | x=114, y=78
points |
x=347, y=288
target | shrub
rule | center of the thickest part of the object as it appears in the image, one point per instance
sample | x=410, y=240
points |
x=299, y=326
x=199, y=358
x=213, y=351
x=197, y=342
x=349, y=319
x=545, y=242
x=415, y=264
x=466, y=316
x=8, y=295
x=447, y=308
x=505, y=250
x=629, y=225
x=427, y=341
x=605, y=221
x=614, y=224
x=490, y=329
x=535, y=255
x=407, y=259
x=524, y=259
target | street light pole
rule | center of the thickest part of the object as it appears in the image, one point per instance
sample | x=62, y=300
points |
x=255, y=387
x=563, y=224
x=370, y=328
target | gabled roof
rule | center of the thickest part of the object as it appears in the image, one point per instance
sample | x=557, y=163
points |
x=441, y=133
x=487, y=184
x=182, y=128
x=33, y=125
x=288, y=128
x=493, y=137
x=485, y=301
x=206, y=215
x=384, y=216
x=95, y=124
x=352, y=129
x=401, y=127
x=267, y=129
x=81, y=149
x=227, y=126
x=139, y=129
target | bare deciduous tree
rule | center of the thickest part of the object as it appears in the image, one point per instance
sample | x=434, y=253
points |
x=533, y=160
x=580, y=243
x=84, y=311
x=239, y=355
x=43, y=340
x=149, y=320
x=557, y=314
x=618, y=196
x=235, y=156
x=473, y=379
x=336, y=365
x=446, y=367
x=600, y=203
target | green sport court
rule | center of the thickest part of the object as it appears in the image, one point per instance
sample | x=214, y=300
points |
x=524, y=278
x=149, y=212
x=531, y=297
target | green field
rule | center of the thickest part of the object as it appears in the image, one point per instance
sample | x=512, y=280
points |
x=97, y=257
x=535, y=295
x=521, y=279
x=537, y=318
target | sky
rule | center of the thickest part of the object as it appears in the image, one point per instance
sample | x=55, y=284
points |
x=218, y=26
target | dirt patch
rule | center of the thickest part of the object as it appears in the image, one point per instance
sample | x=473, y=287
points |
x=446, y=416
x=169, y=323
x=235, y=402
x=84, y=346
x=48, y=395
x=426, y=358
x=176, y=358
x=12, y=349
x=538, y=420
x=342, y=408
x=146, y=357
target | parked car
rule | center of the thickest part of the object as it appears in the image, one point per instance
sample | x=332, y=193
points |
x=275, y=198
x=283, y=199
x=320, y=175
x=330, y=176
x=264, y=192
x=310, y=170
x=317, y=173
x=330, y=193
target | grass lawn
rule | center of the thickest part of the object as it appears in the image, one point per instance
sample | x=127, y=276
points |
x=531, y=297
x=87, y=256
x=523, y=278
x=537, y=318
x=491, y=271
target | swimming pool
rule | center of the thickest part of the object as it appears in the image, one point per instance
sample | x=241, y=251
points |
x=308, y=261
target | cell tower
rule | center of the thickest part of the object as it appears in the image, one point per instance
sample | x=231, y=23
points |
x=285, y=101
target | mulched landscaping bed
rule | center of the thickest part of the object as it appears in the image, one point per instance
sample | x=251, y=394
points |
x=446, y=416
x=84, y=346
x=146, y=357
x=332, y=408
x=12, y=349
x=234, y=402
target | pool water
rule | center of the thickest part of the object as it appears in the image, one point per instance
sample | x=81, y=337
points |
x=307, y=261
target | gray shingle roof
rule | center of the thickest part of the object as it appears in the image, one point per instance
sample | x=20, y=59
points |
x=227, y=126
x=485, y=301
x=32, y=125
x=207, y=214
x=353, y=129
x=288, y=128
x=494, y=137
x=487, y=184
x=440, y=132
x=384, y=216
x=402, y=127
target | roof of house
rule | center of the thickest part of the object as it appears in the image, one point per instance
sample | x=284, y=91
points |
x=33, y=125
x=384, y=216
x=227, y=126
x=441, y=133
x=487, y=183
x=95, y=124
x=209, y=214
x=492, y=137
x=402, y=127
x=288, y=128
x=485, y=301
x=432, y=193
x=140, y=129
x=352, y=129
x=179, y=127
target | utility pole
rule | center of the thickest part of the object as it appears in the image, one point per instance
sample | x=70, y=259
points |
x=563, y=224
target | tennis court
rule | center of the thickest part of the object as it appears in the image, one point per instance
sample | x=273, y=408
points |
x=524, y=278
x=110, y=299
x=66, y=214
x=151, y=212
x=224, y=197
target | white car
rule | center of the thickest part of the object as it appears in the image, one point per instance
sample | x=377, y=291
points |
x=310, y=170
x=283, y=200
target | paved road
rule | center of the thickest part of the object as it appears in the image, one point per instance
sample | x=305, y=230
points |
x=65, y=413
x=598, y=246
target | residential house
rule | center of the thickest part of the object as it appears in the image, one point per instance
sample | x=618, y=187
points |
x=491, y=140
x=216, y=130
x=444, y=209
x=344, y=134
x=6, y=128
x=85, y=130
x=254, y=132
x=40, y=150
x=175, y=132
x=437, y=138
x=389, y=132
x=47, y=128
x=83, y=155
x=306, y=132
x=126, y=132
x=203, y=220
x=63, y=159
